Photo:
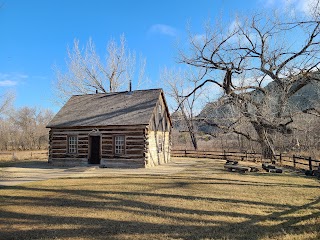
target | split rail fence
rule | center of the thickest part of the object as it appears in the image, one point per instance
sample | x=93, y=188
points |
x=295, y=161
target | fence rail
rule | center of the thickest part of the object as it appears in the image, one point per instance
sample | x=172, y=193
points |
x=13, y=153
x=241, y=156
x=295, y=161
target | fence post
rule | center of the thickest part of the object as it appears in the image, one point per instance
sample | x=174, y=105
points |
x=246, y=155
x=31, y=154
x=185, y=152
x=280, y=158
x=294, y=161
x=224, y=154
x=310, y=164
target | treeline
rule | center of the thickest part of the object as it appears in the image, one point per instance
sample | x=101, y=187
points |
x=304, y=140
x=25, y=129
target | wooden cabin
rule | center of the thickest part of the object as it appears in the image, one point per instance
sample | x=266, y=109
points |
x=120, y=129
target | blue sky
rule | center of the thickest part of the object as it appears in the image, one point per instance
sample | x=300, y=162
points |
x=34, y=35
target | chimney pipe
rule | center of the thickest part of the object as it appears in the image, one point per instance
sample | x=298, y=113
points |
x=130, y=86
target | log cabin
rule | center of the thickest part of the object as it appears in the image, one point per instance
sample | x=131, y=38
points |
x=130, y=129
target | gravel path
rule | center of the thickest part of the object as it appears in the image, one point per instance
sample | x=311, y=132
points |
x=24, y=173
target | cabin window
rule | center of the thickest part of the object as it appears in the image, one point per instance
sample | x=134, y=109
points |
x=72, y=144
x=164, y=124
x=160, y=109
x=167, y=125
x=160, y=144
x=160, y=118
x=119, y=143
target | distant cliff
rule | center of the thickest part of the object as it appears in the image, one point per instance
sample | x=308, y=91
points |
x=223, y=113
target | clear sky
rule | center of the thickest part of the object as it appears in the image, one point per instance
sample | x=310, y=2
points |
x=34, y=35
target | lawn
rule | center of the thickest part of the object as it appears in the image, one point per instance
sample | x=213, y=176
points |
x=11, y=158
x=201, y=202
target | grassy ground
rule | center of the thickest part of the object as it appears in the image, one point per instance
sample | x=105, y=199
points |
x=202, y=202
x=11, y=158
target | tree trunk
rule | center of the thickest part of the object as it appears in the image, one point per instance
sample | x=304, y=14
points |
x=193, y=140
x=190, y=127
x=267, y=149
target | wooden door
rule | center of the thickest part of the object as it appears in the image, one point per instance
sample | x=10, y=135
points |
x=94, y=150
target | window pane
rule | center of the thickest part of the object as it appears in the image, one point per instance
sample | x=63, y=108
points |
x=119, y=144
x=160, y=144
x=72, y=144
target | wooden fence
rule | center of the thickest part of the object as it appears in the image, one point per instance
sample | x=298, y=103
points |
x=295, y=161
x=23, y=155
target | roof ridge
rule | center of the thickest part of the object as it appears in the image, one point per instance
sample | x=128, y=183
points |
x=113, y=93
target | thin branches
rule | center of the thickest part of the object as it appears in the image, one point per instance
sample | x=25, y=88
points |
x=88, y=73
x=259, y=67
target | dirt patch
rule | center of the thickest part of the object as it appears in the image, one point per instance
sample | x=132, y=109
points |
x=38, y=171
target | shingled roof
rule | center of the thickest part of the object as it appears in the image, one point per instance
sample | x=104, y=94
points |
x=103, y=109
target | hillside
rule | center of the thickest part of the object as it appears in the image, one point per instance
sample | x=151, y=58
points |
x=224, y=113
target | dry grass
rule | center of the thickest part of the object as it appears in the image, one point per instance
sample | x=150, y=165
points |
x=10, y=158
x=201, y=202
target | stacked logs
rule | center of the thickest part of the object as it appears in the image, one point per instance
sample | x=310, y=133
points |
x=271, y=168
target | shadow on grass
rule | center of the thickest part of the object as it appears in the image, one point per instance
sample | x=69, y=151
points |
x=153, y=207
x=180, y=222
x=34, y=163
x=38, y=164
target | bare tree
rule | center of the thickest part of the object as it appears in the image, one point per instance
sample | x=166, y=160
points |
x=29, y=127
x=4, y=134
x=6, y=101
x=255, y=52
x=87, y=72
x=179, y=82
x=43, y=117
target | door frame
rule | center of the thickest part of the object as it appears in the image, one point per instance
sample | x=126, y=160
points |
x=94, y=133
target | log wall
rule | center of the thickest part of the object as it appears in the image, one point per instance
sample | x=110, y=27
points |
x=135, y=143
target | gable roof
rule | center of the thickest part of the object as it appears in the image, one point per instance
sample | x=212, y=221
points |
x=103, y=109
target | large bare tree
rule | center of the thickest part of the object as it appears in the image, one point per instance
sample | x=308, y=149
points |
x=249, y=55
x=87, y=72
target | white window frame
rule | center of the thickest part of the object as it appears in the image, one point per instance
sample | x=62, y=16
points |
x=119, y=144
x=72, y=144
